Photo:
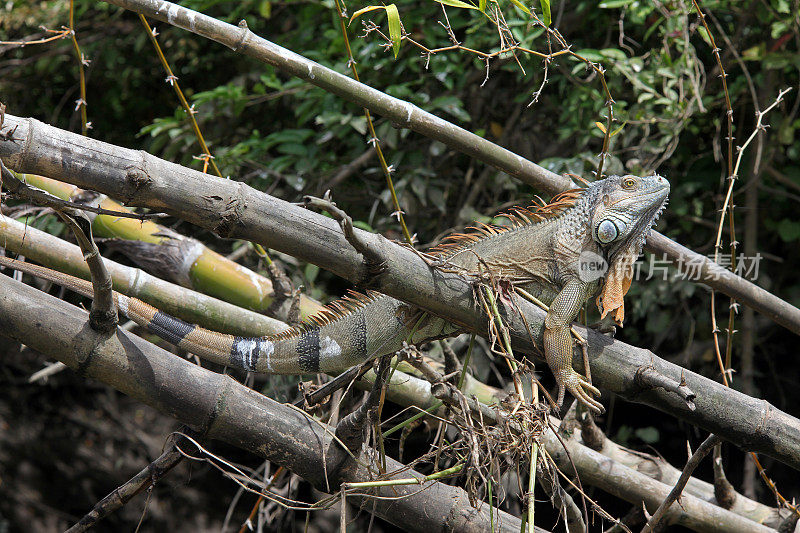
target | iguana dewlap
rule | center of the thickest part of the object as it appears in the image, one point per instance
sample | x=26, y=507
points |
x=618, y=281
x=550, y=251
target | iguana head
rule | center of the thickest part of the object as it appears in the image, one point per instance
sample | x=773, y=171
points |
x=625, y=209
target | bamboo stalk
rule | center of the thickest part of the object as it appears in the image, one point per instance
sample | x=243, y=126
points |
x=194, y=266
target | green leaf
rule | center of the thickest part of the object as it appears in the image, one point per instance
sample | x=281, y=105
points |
x=618, y=129
x=704, y=34
x=365, y=10
x=624, y=433
x=649, y=434
x=612, y=4
x=789, y=230
x=462, y=5
x=546, y=12
x=482, y=6
x=614, y=53
x=311, y=272
x=293, y=149
x=590, y=54
x=519, y=5
x=395, y=30
x=451, y=105
x=755, y=53
x=363, y=225
x=265, y=9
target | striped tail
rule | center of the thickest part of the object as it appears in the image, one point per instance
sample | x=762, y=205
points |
x=349, y=331
x=331, y=341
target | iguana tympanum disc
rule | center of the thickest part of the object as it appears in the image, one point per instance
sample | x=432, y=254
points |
x=581, y=245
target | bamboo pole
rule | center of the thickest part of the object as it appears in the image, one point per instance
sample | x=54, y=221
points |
x=191, y=263
x=178, y=301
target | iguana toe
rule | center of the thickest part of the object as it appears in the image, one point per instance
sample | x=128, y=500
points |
x=582, y=390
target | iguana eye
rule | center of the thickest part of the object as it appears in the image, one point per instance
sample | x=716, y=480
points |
x=607, y=231
x=628, y=184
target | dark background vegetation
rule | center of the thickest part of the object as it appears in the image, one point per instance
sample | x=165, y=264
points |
x=66, y=443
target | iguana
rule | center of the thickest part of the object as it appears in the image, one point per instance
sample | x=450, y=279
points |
x=545, y=250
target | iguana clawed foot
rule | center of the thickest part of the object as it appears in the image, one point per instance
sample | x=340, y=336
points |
x=580, y=388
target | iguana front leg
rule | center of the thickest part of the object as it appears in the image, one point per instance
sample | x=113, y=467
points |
x=558, y=345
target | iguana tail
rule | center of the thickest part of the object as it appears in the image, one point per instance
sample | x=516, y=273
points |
x=348, y=332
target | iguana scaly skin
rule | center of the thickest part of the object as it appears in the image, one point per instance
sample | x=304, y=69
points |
x=544, y=250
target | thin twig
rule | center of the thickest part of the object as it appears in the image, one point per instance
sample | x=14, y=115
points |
x=675, y=493
x=81, y=104
x=63, y=33
x=509, y=46
x=144, y=480
x=373, y=139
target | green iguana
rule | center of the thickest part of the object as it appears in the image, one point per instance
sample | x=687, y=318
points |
x=583, y=244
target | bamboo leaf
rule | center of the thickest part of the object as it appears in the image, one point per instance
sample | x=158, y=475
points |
x=601, y=127
x=365, y=10
x=546, y=18
x=704, y=34
x=395, y=30
x=618, y=129
x=611, y=4
x=482, y=6
x=521, y=6
x=460, y=4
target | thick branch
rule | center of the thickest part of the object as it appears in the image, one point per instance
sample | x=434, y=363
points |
x=228, y=411
x=234, y=209
x=409, y=116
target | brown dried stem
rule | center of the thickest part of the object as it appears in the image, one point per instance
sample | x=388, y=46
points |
x=81, y=104
x=373, y=139
x=189, y=110
x=144, y=480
